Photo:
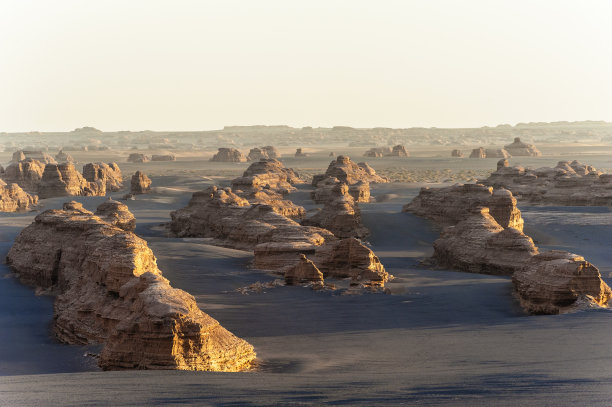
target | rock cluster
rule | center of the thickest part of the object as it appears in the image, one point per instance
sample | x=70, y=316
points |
x=121, y=300
x=61, y=157
x=115, y=213
x=229, y=155
x=63, y=179
x=107, y=174
x=138, y=158
x=256, y=154
x=163, y=157
x=399, y=151
x=13, y=198
x=299, y=153
x=33, y=155
x=140, y=183
x=456, y=153
x=489, y=153
x=348, y=172
x=26, y=173
x=568, y=183
x=518, y=148
x=377, y=152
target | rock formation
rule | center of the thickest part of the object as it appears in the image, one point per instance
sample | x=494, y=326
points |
x=140, y=183
x=304, y=271
x=110, y=291
x=478, y=153
x=299, y=153
x=229, y=155
x=107, y=174
x=61, y=157
x=502, y=163
x=569, y=184
x=63, y=179
x=399, y=151
x=26, y=173
x=266, y=152
x=518, y=148
x=324, y=191
x=489, y=153
x=554, y=282
x=449, y=205
x=377, y=152
x=18, y=156
x=456, y=153
x=115, y=213
x=33, y=155
x=138, y=158
x=163, y=157
x=348, y=172
x=13, y=198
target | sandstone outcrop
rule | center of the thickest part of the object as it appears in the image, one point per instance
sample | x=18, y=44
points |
x=266, y=152
x=518, y=148
x=299, y=153
x=117, y=214
x=399, y=151
x=18, y=156
x=304, y=271
x=456, y=153
x=107, y=174
x=228, y=155
x=449, y=205
x=110, y=291
x=26, y=173
x=138, y=158
x=554, y=282
x=377, y=152
x=13, y=198
x=568, y=183
x=478, y=153
x=163, y=157
x=140, y=183
x=33, y=155
x=489, y=153
x=348, y=172
x=63, y=179
x=61, y=157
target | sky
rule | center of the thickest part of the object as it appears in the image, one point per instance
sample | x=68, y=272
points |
x=201, y=65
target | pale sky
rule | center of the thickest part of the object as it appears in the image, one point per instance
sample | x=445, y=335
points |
x=197, y=65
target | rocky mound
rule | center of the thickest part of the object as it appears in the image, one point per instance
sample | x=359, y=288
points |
x=299, y=153
x=324, y=191
x=138, y=158
x=304, y=271
x=61, y=157
x=140, y=183
x=229, y=155
x=13, y=198
x=119, y=300
x=518, y=148
x=449, y=205
x=555, y=282
x=26, y=173
x=377, y=152
x=41, y=156
x=64, y=180
x=107, y=174
x=456, y=153
x=489, y=153
x=163, y=157
x=115, y=213
x=348, y=172
x=399, y=151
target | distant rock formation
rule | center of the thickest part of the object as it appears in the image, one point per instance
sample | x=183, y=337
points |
x=502, y=163
x=107, y=174
x=138, y=158
x=110, y=291
x=569, y=184
x=115, y=213
x=457, y=153
x=299, y=153
x=324, y=191
x=399, y=151
x=489, y=153
x=63, y=180
x=449, y=205
x=18, y=156
x=518, y=148
x=478, y=153
x=266, y=152
x=13, y=198
x=34, y=155
x=163, y=157
x=555, y=282
x=377, y=152
x=61, y=157
x=140, y=183
x=26, y=173
x=348, y=172
x=229, y=155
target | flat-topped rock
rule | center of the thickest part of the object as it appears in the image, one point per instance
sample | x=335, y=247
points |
x=140, y=183
x=163, y=157
x=117, y=214
x=229, y=155
x=266, y=152
x=348, y=172
x=518, y=148
x=13, y=198
x=138, y=158
x=489, y=153
x=121, y=300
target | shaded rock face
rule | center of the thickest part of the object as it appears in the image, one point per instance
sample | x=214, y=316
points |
x=518, y=148
x=479, y=244
x=13, y=198
x=340, y=215
x=489, y=153
x=377, y=152
x=399, y=151
x=555, y=282
x=478, y=153
x=266, y=152
x=450, y=205
x=568, y=183
x=348, y=172
x=18, y=156
x=456, y=153
x=140, y=183
x=304, y=271
x=138, y=158
x=26, y=173
x=229, y=155
x=163, y=157
x=119, y=300
x=324, y=191
x=117, y=214
x=502, y=163
x=64, y=180
x=107, y=174
x=299, y=153
x=61, y=157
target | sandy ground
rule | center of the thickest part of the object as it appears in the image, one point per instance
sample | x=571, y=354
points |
x=440, y=337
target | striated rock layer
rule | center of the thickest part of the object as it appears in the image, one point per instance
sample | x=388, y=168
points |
x=119, y=300
x=13, y=198
x=115, y=213
x=26, y=173
x=107, y=174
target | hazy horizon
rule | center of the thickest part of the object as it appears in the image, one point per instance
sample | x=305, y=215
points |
x=189, y=66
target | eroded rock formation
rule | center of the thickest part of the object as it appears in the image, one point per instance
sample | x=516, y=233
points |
x=348, y=172
x=61, y=157
x=299, y=153
x=304, y=271
x=63, y=179
x=13, y=198
x=121, y=300
x=107, y=174
x=377, y=152
x=399, y=151
x=229, y=155
x=140, y=183
x=163, y=157
x=518, y=148
x=489, y=153
x=456, y=153
x=26, y=173
x=41, y=156
x=117, y=214
x=138, y=158
x=266, y=152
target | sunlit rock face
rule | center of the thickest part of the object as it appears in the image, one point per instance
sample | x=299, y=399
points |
x=488, y=153
x=117, y=214
x=26, y=173
x=140, y=183
x=479, y=244
x=348, y=172
x=554, y=282
x=107, y=174
x=63, y=180
x=478, y=153
x=13, y=198
x=449, y=205
x=518, y=148
x=360, y=191
x=568, y=183
x=41, y=156
x=110, y=291
x=138, y=158
x=229, y=155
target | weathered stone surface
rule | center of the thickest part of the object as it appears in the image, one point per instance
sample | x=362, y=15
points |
x=138, y=158
x=61, y=157
x=229, y=155
x=348, y=172
x=479, y=244
x=377, y=152
x=399, y=151
x=63, y=180
x=518, y=148
x=107, y=174
x=140, y=183
x=324, y=191
x=266, y=152
x=163, y=157
x=304, y=271
x=110, y=291
x=569, y=184
x=456, y=153
x=117, y=214
x=450, y=205
x=13, y=198
x=554, y=282
x=26, y=173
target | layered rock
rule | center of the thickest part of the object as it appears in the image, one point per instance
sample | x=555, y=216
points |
x=478, y=153
x=121, y=300
x=266, y=152
x=324, y=191
x=107, y=174
x=456, y=153
x=568, y=183
x=449, y=205
x=377, y=152
x=348, y=172
x=138, y=158
x=304, y=271
x=518, y=148
x=13, y=198
x=63, y=179
x=61, y=157
x=117, y=214
x=163, y=157
x=140, y=183
x=228, y=155
x=399, y=151
x=555, y=282
x=26, y=173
